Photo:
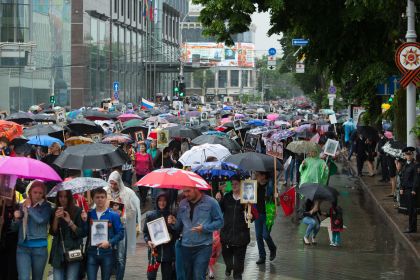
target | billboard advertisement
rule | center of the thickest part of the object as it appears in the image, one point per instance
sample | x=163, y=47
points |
x=217, y=54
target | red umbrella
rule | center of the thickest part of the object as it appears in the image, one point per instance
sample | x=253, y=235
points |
x=173, y=178
x=10, y=130
x=127, y=117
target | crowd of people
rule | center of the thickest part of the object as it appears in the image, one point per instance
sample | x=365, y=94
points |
x=80, y=234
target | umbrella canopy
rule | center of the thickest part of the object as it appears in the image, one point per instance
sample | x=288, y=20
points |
x=44, y=140
x=73, y=114
x=133, y=122
x=10, y=130
x=368, y=132
x=256, y=123
x=173, y=178
x=303, y=147
x=20, y=117
x=199, y=154
x=252, y=161
x=85, y=127
x=95, y=115
x=78, y=185
x=28, y=168
x=127, y=117
x=78, y=140
x=18, y=141
x=220, y=171
x=272, y=117
x=120, y=138
x=41, y=129
x=44, y=118
x=313, y=191
x=181, y=131
x=230, y=144
x=91, y=156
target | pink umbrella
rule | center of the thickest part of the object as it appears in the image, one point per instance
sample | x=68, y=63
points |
x=239, y=116
x=127, y=117
x=28, y=168
x=225, y=120
x=272, y=117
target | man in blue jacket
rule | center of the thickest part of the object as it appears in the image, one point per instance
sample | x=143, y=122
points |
x=199, y=215
x=101, y=254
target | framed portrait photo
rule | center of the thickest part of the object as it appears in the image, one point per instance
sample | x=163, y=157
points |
x=139, y=136
x=331, y=147
x=237, y=125
x=98, y=232
x=212, y=121
x=97, y=137
x=158, y=231
x=194, y=121
x=7, y=186
x=118, y=126
x=203, y=116
x=162, y=138
x=249, y=191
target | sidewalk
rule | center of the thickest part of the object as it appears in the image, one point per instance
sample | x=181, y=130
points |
x=377, y=193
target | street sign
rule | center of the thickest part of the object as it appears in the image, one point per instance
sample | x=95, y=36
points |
x=61, y=117
x=272, y=51
x=271, y=67
x=116, y=86
x=271, y=60
x=300, y=68
x=332, y=90
x=300, y=42
x=116, y=95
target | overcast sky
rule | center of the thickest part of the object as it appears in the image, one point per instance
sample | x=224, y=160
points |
x=262, y=41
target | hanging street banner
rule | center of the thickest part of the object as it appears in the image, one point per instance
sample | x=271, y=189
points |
x=407, y=59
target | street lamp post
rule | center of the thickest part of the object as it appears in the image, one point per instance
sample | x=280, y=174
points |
x=411, y=36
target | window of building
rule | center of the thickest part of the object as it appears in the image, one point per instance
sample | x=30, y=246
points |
x=222, y=76
x=245, y=75
x=94, y=30
x=14, y=21
x=128, y=8
x=135, y=10
x=116, y=6
x=234, y=78
x=210, y=81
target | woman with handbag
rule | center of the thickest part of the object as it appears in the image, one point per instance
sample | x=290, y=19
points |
x=68, y=231
x=143, y=165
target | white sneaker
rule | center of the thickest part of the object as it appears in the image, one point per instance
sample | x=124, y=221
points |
x=313, y=240
x=306, y=240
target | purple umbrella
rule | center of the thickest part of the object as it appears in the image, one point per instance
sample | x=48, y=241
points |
x=28, y=168
x=192, y=114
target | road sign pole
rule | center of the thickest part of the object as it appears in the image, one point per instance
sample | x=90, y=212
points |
x=411, y=36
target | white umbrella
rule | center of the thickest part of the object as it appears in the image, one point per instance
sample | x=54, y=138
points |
x=198, y=154
x=78, y=185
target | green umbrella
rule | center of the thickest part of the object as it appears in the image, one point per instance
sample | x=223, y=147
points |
x=303, y=147
x=133, y=122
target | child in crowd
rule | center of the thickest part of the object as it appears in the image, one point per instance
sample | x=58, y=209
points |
x=337, y=225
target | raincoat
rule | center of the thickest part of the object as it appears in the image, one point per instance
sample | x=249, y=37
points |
x=313, y=170
x=131, y=214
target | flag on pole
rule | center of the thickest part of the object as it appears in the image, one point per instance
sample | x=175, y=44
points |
x=151, y=10
x=287, y=201
x=146, y=104
x=145, y=7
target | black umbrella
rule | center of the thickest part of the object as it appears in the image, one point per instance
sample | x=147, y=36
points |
x=94, y=115
x=181, y=131
x=44, y=118
x=214, y=139
x=20, y=117
x=368, y=132
x=91, y=156
x=313, y=191
x=133, y=129
x=85, y=127
x=41, y=129
x=252, y=161
x=18, y=141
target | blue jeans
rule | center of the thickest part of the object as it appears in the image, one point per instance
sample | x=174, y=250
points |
x=313, y=226
x=69, y=271
x=196, y=261
x=104, y=261
x=262, y=233
x=336, y=237
x=179, y=263
x=121, y=258
x=31, y=260
x=288, y=173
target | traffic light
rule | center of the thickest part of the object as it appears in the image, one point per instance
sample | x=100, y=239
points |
x=175, y=87
x=181, y=89
x=52, y=99
x=391, y=98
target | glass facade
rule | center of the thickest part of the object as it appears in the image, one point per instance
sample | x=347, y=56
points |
x=14, y=20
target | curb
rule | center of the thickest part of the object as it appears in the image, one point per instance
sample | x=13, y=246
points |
x=395, y=228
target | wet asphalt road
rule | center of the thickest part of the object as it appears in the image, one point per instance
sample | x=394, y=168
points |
x=369, y=249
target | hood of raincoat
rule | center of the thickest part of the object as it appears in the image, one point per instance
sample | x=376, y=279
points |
x=166, y=209
x=116, y=177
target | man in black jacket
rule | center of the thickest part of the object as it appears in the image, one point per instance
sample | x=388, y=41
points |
x=409, y=185
x=382, y=158
x=234, y=235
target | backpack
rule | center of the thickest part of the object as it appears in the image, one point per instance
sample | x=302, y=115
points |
x=336, y=218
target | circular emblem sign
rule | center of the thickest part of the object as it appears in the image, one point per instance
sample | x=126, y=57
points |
x=407, y=59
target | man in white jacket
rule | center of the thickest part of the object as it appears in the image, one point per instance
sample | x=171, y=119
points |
x=130, y=218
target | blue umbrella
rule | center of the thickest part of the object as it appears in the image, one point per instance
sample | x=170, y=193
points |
x=256, y=122
x=44, y=140
x=217, y=133
x=227, y=108
x=73, y=114
x=220, y=171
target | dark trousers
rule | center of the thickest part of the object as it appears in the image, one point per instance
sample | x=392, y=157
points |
x=167, y=269
x=8, y=268
x=384, y=168
x=142, y=191
x=360, y=161
x=196, y=261
x=412, y=210
x=234, y=257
